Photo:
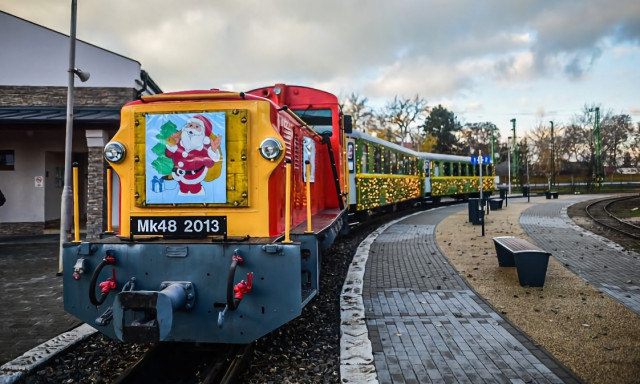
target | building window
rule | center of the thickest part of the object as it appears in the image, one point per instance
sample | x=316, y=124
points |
x=7, y=160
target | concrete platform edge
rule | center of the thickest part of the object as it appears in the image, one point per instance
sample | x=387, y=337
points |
x=13, y=370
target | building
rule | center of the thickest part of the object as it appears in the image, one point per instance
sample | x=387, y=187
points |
x=33, y=115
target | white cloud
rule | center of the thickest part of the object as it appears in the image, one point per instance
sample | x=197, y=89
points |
x=457, y=51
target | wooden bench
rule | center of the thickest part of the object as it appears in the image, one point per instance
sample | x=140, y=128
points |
x=550, y=194
x=530, y=260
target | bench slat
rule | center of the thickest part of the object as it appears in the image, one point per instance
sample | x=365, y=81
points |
x=515, y=244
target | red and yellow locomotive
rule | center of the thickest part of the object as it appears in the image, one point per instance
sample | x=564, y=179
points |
x=226, y=201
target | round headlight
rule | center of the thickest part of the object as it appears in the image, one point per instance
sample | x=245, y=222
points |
x=114, y=152
x=270, y=149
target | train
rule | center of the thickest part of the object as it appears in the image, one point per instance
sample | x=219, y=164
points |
x=227, y=201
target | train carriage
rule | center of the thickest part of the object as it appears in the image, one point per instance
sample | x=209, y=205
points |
x=382, y=175
x=455, y=176
x=220, y=233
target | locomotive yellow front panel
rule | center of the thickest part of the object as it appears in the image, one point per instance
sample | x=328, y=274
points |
x=194, y=169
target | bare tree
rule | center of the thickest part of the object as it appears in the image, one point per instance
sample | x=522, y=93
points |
x=477, y=137
x=616, y=132
x=360, y=112
x=406, y=116
x=539, y=147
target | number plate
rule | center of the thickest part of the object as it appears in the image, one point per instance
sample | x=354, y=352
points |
x=186, y=226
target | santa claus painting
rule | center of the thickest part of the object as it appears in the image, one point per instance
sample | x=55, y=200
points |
x=187, y=154
x=193, y=154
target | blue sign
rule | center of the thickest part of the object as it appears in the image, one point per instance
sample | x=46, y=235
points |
x=485, y=160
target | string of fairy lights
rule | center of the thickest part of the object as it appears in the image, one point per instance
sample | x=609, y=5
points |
x=375, y=189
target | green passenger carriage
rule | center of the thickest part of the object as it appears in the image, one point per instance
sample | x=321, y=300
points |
x=455, y=176
x=386, y=176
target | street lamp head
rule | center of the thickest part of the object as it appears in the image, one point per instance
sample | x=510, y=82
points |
x=83, y=76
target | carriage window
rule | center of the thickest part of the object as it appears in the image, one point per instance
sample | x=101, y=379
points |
x=456, y=169
x=385, y=161
x=463, y=169
x=7, y=158
x=394, y=162
x=365, y=156
x=319, y=119
x=476, y=170
x=377, y=160
x=447, y=169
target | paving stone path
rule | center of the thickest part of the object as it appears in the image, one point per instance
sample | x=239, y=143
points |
x=599, y=261
x=426, y=325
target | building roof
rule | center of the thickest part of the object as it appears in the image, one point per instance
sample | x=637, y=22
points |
x=32, y=114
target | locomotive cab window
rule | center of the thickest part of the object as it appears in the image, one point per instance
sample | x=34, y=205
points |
x=320, y=120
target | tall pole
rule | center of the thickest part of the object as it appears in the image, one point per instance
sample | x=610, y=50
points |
x=493, y=157
x=528, y=185
x=553, y=159
x=66, y=206
x=599, y=168
x=514, y=158
x=509, y=163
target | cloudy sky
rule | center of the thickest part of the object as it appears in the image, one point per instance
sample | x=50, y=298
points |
x=490, y=60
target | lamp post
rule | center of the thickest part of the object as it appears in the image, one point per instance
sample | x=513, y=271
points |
x=599, y=169
x=509, y=162
x=67, y=193
x=553, y=160
x=515, y=151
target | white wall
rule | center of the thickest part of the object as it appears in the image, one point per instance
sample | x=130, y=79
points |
x=32, y=149
x=18, y=186
x=36, y=56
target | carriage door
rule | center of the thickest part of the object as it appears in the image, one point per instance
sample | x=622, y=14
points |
x=427, y=176
x=351, y=164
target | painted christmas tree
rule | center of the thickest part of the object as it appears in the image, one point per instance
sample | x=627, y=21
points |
x=163, y=165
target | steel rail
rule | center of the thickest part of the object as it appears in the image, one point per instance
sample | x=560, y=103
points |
x=609, y=220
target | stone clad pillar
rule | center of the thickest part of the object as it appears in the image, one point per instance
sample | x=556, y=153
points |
x=96, y=183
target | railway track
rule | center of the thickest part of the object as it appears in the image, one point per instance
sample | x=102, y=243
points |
x=186, y=364
x=599, y=212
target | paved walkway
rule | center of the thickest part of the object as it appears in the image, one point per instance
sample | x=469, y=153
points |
x=31, y=300
x=424, y=324
x=599, y=261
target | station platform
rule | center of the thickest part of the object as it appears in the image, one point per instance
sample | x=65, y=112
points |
x=408, y=316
